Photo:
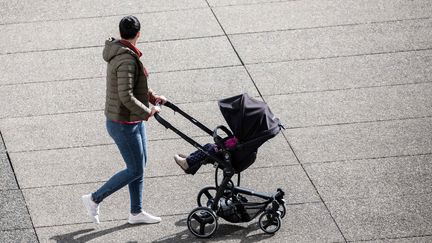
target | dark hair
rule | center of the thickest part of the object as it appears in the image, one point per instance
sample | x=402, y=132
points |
x=129, y=27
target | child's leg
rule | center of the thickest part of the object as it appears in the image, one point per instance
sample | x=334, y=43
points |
x=195, y=159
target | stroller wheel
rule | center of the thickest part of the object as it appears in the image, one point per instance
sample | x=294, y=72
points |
x=202, y=222
x=206, y=196
x=269, y=222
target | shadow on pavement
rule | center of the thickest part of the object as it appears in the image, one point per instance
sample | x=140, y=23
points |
x=224, y=232
x=72, y=237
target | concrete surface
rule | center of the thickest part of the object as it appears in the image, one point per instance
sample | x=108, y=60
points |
x=350, y=80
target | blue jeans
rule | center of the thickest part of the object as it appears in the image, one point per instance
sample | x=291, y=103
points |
x=132, y=143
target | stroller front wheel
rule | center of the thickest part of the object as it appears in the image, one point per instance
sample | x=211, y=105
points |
x=202, y=222
x=269, y=222
x=282, y=210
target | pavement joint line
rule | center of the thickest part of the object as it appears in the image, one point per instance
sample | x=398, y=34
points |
x=199, y=136
x=152, y=177
x=98, y=46
x=214, y=100
x=18, y=185
x=95, y=77
x=393, y=238
x=256, y=3
x=348, y=88
x=15, y=229
x=366, y=158
x=100, y=16
x=52, y=81
x=360, y=122
x=236, y=65
x=100, y=145
x=225, y=34
x=162, y=215
x=235, y=51
x=341, y=56
x=315, y=187
x=135, y=13
x=330, y=26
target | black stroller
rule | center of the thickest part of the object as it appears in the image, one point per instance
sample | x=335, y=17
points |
x=253, y=124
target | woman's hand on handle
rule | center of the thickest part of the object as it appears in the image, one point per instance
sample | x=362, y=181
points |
x=155, y=109
x=160, y=99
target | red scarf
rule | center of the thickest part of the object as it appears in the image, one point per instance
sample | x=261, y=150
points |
x=132, y=47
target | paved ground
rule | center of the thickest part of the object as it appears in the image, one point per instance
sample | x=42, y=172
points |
x=350, y=79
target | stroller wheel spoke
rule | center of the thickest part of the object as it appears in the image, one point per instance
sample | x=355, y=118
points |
x=208, y=195
x=202, y=229
x=197, y=218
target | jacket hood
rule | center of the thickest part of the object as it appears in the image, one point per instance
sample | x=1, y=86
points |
x=114, y=48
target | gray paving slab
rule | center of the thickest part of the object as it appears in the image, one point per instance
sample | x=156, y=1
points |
x=305, y=223
x=53, y=97
x=308, y=14
x=372, y=178
x=89, y=94
x=414, y=238
x=55, y=131
x=342, y=73
x=384, y=217
x=13, y=236
x=74, y=33
x=22, y=11
x=358, y=141
x=162, y=195
x=88, y=62
x=203, y=85
x=13, y=211
x=334, y=41
x=215, y=3
x=95, y=164
x=7, y=178
x=88, y=128
x=354, y=105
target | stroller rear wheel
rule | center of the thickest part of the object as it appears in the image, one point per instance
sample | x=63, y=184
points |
x=202, y=222
x=206, y=196
x=269, y=222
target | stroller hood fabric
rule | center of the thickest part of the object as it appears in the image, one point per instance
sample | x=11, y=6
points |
x=249, y=119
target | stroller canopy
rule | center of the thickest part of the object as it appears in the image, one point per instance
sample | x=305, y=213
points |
x=249, y=119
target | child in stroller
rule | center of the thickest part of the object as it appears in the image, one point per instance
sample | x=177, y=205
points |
x=192, y=162
x=252, y=124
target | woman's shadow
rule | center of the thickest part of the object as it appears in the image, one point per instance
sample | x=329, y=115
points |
x=225, y=231
x=74, y=237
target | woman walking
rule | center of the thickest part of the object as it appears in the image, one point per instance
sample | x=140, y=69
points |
x=126, y=109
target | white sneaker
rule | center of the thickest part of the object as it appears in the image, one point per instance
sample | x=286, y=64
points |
x=143, y=218
x=92, y=208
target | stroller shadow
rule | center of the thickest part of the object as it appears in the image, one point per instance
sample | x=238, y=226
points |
x=74, y=237
x=224, y=231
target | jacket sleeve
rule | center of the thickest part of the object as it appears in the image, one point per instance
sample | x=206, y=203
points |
x=125, y=77
x=152, y=96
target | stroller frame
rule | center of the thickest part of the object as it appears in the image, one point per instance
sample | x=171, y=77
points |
x=202, y=221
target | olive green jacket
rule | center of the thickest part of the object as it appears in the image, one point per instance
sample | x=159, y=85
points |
x=127, y=92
